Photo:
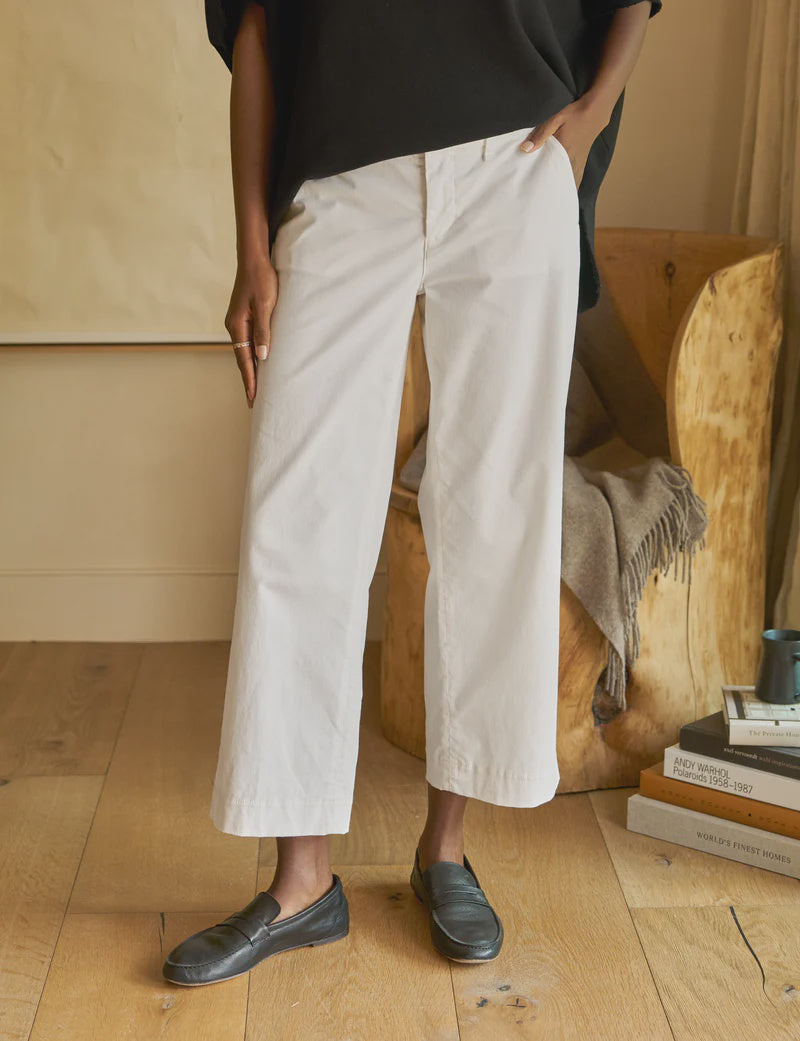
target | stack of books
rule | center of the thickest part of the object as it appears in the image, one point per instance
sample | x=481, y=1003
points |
x=730, y=785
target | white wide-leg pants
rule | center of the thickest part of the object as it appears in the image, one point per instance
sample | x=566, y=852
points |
x=489, y=235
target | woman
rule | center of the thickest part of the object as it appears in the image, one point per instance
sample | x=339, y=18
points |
x=385, y=153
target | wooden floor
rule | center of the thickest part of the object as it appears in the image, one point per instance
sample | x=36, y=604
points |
x=109, y=859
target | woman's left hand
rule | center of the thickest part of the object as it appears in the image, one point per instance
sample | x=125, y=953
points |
x=576, y=126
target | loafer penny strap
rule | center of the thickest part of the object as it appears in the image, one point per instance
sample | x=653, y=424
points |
x=252, y=921
x=441, y=895
x=251, y=927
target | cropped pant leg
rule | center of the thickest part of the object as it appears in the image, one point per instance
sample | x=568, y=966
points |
x=501, y=295
x=324, y=427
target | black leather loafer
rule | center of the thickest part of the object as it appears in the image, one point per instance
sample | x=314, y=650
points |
x=464, y=926
x=245, y=938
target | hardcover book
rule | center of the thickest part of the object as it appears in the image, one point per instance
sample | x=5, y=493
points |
x=656, y=783
x=733, y=778
x=751, y=721
x=702, y=831
x=709, y=737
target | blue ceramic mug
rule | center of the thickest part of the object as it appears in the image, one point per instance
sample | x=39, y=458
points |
x=779, y=674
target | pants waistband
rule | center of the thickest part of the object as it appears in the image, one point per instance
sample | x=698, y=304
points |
x=488, y=145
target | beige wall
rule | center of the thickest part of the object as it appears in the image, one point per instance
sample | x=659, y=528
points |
x=675, y=160
x=123, y=471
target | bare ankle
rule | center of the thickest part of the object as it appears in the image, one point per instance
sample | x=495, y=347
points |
x=295, y=894
x=303, y=873
x=433, y=848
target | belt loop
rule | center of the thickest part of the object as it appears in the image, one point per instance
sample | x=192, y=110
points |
x=485, y=149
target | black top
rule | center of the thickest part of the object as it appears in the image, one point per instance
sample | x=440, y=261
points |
x=358, y=81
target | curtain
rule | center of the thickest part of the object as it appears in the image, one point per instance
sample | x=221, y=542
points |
x=767, y=202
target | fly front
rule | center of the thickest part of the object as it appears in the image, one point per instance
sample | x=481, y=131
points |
x=440, y=193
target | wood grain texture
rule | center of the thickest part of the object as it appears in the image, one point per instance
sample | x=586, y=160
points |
x=725, y=973
x=655, y=873
x=583, y=654
x=416, y=390
x=720, y=415
x=609, y=934
x=653, y=276
x=384, y=980
x=571, y=959
x=660, y=694
x=7, y=648
x=153, y=845
x=403, y=662
x=62, y=705
x=44, y=822
x=105, y=982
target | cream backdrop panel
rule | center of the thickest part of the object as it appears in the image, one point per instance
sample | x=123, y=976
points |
x=123, y=470
x=117, y=202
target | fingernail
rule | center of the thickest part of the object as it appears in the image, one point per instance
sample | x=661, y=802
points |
x=261, y=352
x=527, y=146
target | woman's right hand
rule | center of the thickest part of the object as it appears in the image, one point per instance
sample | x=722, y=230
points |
x=255, y=291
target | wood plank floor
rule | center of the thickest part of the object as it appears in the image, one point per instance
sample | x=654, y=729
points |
x=108, y=859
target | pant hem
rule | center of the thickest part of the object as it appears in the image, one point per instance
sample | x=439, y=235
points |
x=281, y=818
x=522, y=791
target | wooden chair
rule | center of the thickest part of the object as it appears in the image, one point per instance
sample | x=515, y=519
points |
x=705, y=315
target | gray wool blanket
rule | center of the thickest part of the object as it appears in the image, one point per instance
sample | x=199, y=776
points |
x=617, y=529
x=627, y=509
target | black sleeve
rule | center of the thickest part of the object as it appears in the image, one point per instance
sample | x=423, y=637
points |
x=222, y=23
x=606, y=7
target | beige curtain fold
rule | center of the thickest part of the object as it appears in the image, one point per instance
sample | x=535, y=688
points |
x=767, y=202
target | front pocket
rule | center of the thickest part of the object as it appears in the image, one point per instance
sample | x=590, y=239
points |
x=509, y=140
x=565, y=158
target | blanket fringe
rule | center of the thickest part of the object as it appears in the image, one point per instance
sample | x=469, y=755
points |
x=670, y=536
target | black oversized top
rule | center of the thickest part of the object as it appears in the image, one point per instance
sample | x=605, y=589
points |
x=358, y=81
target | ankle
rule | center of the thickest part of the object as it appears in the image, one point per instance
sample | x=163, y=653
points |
x=303, y=880
x=434, y=848
x=295, y=892
x=303, y=863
